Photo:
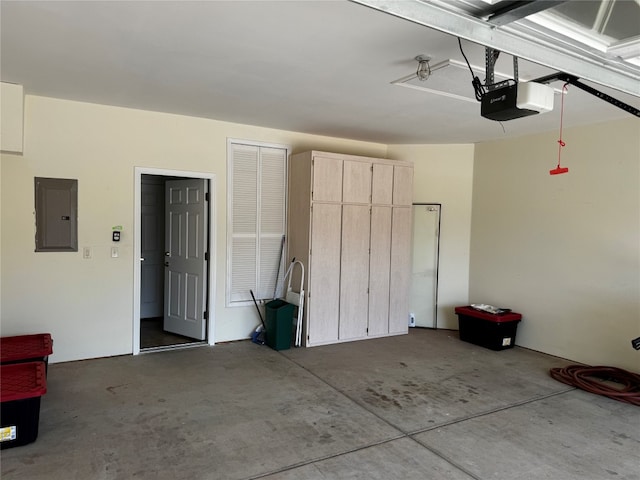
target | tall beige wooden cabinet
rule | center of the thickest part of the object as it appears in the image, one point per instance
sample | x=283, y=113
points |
x=350, y=225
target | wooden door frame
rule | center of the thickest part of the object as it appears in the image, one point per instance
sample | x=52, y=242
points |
x=137, y=246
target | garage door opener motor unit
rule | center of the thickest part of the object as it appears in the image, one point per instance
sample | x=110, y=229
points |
x=509, y=99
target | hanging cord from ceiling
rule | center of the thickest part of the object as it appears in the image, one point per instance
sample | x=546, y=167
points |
x=478, y=87
x=561, y=143
x=611, y=382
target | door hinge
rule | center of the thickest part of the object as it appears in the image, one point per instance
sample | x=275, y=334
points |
x=206, y=256
x=206, y=197
x=206, y=315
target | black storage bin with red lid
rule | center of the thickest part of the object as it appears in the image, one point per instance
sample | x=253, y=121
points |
x=489, y=330
x=26, y=348
x=21, y=387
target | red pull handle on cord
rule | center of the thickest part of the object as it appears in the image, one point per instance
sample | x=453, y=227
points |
x=558, y=170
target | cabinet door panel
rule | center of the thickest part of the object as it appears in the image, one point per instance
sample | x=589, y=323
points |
x=379, y=269
x=382, y=184
x=356, y=182
x=402, y=185
x=354, y=300
x=324, y=274
x=400, y=270
x=327, y=179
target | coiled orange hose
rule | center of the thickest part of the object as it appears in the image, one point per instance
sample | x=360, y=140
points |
x=621, y=385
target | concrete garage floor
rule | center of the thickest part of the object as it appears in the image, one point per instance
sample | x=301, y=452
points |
x=419, y=406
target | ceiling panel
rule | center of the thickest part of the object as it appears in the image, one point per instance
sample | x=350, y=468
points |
x=316, y=67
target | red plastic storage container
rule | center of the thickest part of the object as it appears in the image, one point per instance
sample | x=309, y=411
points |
x=26, y=348
x=494, y=331
x=21, y=387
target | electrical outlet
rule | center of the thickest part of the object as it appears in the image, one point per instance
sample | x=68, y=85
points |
x=412, y=320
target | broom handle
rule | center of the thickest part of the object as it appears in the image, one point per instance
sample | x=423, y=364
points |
x=275, y=288
x=258, y=308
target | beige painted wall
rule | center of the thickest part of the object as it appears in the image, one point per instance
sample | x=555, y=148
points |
x=87, y=305
x=444, y=174
x=562, y=250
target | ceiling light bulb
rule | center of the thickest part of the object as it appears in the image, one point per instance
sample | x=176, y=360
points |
x=424, y=70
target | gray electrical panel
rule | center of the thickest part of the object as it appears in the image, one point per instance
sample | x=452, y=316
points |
x=56, y=214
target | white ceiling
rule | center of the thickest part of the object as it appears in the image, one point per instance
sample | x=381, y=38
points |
x=320, y=67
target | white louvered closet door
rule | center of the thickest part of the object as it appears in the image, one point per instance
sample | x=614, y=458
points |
x=244, y=211
x=272, y=208
x=257, y=220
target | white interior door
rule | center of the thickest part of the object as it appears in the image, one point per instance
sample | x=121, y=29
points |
x=424, y=279
x=185, y=257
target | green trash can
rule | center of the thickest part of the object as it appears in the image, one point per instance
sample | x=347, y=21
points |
x=279, y=322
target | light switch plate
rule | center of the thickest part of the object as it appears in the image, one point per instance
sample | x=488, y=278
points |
x=114, y=252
